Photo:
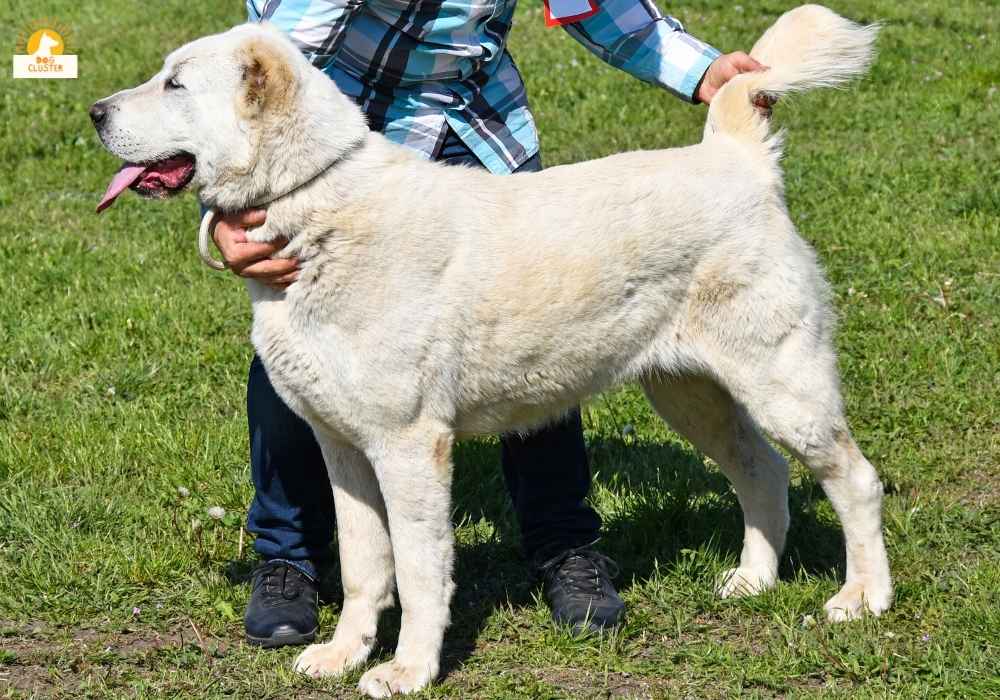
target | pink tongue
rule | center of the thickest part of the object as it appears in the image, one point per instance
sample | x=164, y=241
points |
x=162, y=176
x=125, y=176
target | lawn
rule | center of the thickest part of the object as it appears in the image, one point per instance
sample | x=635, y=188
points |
x=123, y=362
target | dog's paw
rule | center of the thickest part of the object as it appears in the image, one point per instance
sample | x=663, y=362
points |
x=331, y=659
x=744, y=581
x=856, y=597
x=393, y=677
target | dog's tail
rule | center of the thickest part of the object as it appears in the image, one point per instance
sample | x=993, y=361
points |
x=808, y=47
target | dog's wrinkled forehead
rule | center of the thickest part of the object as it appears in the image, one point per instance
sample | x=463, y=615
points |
x=207, y=58
x=225, y=55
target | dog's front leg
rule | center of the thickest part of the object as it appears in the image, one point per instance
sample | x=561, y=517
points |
x=365, y=562
x=415, y=477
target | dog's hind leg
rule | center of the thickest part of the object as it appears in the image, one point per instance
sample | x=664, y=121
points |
x=794, y=396
x=366, y=563
x=705, y=414
x=414, y=472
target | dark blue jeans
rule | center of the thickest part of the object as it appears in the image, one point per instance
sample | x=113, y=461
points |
x=546, y=473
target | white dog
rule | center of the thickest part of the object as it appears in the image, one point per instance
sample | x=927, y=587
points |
x=437, y=302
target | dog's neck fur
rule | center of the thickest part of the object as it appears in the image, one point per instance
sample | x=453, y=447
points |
x=325, y=165
x=348, y=182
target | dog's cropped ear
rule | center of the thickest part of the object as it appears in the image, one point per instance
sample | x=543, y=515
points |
x=268, y=82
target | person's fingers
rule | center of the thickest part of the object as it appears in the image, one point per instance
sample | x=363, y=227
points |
x=240, y=254
x=270, y=269
x=249, y=251
x=231, y=228
x=283, y=281
x=248, y=218
x=243, y=219
x=225, y=233
x=744, y=63
x=724, y=69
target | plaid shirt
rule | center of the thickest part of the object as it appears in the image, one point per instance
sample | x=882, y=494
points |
x=417, y=68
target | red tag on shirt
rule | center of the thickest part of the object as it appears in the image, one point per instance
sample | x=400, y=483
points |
x=559, y=12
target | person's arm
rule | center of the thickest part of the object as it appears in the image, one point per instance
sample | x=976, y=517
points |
x=316, y=26
x=636, y=37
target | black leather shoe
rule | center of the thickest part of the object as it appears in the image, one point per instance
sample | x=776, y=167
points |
x=577, y=586
x=283, y=608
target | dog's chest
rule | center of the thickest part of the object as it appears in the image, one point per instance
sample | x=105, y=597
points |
x=314, y=384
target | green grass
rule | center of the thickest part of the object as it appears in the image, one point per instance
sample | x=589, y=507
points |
x=123, y=359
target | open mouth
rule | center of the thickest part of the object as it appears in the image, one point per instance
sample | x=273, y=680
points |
x=160, y=178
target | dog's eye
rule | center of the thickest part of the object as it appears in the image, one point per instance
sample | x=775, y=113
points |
x=172, y=84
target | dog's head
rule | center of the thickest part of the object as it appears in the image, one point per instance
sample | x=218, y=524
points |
x=240, y=115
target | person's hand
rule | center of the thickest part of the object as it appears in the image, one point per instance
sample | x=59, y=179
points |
x=722, y=70
x=253, y=260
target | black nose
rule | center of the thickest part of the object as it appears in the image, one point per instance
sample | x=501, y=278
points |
x=98, y=112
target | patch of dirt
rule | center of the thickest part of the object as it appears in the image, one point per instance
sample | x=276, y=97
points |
x=979, y=489
x=38, y=660
x=29, y=681
x=30, y=640
x=576, y=683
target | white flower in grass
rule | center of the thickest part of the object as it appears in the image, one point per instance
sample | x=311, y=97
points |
x=183, y=492
x=216, y=512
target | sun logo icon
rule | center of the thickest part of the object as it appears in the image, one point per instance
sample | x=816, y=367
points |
x=42, y=52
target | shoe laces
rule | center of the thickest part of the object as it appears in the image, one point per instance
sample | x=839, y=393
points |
x=279, y=580
x=580, y=570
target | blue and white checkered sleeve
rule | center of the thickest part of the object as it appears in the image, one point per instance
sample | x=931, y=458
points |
x=316, y=26
x=637, y=38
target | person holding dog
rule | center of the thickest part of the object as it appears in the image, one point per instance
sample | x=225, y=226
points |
x=437, y=77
